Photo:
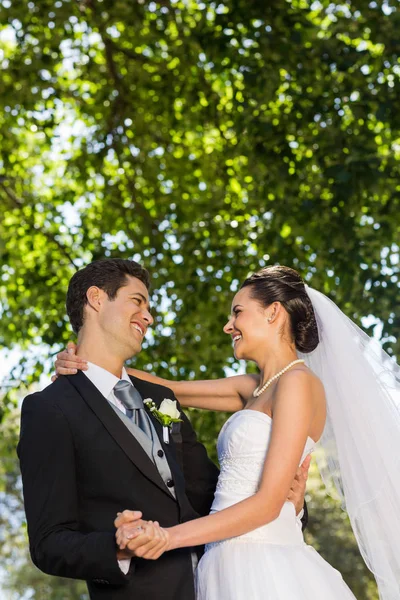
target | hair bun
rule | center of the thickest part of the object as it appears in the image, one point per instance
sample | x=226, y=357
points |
x=306, y=335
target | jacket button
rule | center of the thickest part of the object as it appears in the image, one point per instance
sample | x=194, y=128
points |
x=170, y=483
x=160, y=453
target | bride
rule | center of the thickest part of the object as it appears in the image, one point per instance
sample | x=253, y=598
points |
x=320, y=379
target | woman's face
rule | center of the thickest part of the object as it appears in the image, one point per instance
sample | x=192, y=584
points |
x=248, y=326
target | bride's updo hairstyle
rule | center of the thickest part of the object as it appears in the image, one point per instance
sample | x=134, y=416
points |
x=284, y=285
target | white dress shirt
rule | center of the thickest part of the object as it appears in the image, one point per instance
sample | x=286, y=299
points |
x=105, y=383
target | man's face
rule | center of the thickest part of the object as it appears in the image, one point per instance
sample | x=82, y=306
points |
x=124, y=320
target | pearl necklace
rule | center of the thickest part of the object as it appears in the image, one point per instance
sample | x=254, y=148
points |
x=258, y=391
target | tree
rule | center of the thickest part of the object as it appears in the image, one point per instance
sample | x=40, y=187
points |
x=206, y=140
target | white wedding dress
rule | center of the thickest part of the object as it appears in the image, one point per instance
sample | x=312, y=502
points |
x=272, y=562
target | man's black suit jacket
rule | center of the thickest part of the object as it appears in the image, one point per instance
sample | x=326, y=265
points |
x=80, y=466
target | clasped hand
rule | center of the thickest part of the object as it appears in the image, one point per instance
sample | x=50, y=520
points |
x=136, y=537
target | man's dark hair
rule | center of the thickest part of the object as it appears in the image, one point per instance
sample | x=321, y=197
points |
x=109, y=275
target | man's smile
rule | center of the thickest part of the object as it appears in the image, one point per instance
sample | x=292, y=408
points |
x=139, y=327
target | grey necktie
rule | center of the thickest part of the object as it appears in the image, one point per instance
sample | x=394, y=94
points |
x=128, y=395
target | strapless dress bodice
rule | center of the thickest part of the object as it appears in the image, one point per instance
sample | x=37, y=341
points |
x=242, y=447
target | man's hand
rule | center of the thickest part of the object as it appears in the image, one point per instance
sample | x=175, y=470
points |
x=144, y=539
x=298, y=489
x=127, y=517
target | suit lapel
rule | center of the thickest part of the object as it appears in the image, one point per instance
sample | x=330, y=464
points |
x=116, y=428
x=147, y=390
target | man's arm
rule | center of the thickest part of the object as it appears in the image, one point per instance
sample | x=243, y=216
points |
x=201, y=474
x=47, y=459
x=304, y=518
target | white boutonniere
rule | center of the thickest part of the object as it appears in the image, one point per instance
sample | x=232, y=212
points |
x=167, y=414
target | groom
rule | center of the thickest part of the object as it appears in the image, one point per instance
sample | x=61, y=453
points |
x=89, y=450
x=83, y=460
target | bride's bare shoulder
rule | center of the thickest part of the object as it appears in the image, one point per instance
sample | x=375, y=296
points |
x=304, y=374
x=301, y=379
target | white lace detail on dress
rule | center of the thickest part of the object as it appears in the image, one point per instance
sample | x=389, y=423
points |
x=231, y=473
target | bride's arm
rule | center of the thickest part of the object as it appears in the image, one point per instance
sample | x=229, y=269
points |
x=293, y=415
x=228, y=394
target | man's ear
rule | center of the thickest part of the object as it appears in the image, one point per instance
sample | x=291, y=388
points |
x=95, y=297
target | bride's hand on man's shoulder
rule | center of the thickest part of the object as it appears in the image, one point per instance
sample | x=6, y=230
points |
x=68, y=363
